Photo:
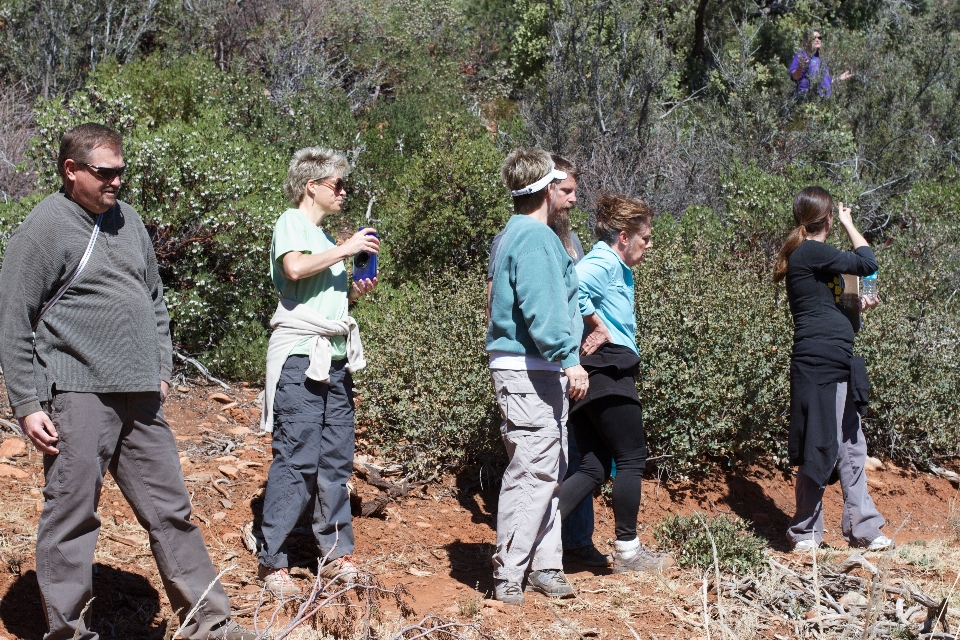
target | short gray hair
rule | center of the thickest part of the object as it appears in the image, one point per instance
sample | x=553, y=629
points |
x=312, y=163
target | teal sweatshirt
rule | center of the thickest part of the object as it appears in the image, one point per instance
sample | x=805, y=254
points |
x=533, y=300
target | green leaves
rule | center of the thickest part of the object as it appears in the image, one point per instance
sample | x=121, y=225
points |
x=692, y=540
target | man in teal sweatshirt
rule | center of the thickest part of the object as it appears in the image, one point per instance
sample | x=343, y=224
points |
x=533, y=339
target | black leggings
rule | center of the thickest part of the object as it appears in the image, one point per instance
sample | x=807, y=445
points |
x=609, y=428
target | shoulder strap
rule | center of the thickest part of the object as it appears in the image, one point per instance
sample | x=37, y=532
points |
x=73, y=276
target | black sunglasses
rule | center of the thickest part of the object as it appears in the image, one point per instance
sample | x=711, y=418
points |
x=337, y=186
x=105, y=173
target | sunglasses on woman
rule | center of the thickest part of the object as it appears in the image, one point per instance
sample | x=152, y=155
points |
x=105, y=173
x=337, y=186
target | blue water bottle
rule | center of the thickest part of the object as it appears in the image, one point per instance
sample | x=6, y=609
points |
x=365, y=263
x=868, y=285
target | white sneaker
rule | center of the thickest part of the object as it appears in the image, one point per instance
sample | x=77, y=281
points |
x=880, y=543
x=806, y=545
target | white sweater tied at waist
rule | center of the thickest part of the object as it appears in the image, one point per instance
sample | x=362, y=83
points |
x=293, y=322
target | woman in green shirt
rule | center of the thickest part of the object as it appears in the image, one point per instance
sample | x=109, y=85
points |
x=314, y=348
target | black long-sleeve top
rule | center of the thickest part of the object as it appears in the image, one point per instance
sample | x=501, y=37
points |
x=814, y=285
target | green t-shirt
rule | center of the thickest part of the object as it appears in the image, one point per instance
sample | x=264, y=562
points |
x=325, y=292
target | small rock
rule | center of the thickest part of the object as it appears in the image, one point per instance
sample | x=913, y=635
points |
x=852, y=597
x=39, y=506
x=229, y=405
x=222, y=418
x=182, y=389
x=238, y=431
x=35, y=493
x=13, y=448
x=219, y=515
x=6, y=471
x=811, y=615
x=493, y=604
x=453, y=609
x=227, y=458
x=226, y=504
x=228, y=470
x=873, y=464
x=426, y=525
x=222, y=398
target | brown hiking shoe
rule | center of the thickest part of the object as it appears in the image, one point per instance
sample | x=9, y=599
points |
x=233, y=631
x=278, y=582
x=342, y=569
x=642, y=560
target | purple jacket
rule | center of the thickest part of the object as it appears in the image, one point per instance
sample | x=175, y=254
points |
x=815, y=69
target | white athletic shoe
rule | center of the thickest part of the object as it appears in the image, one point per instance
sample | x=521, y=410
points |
x=880, y=543
x=806, y=545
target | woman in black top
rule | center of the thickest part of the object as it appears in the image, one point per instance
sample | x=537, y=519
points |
x=828, y=384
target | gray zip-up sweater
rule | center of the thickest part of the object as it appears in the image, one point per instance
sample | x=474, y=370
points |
x=110, y=332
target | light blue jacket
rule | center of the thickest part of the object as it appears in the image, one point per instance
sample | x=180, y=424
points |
x=606, y=288
x=533, y=299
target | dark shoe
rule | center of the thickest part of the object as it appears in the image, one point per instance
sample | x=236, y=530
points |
x=642, y=560
x=508, y=592
x=230, y=630
x=588, y=556
x=550, y=582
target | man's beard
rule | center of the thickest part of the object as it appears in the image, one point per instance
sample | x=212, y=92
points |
x=560, y=223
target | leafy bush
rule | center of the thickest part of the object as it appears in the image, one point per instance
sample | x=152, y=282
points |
x=713, y=383
x=448, y=202
x=686, y=537
x=426, y=396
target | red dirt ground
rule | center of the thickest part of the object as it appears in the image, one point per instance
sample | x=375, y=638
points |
x=437, y=542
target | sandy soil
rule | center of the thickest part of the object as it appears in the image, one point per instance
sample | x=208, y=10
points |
x=436, y=542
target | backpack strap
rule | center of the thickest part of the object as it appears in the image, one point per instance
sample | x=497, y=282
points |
x=73, y=276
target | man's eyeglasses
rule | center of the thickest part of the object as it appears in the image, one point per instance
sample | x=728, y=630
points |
x=337, y=186
x=105, y=173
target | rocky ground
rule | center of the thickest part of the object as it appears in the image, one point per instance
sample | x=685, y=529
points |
x=435, y=542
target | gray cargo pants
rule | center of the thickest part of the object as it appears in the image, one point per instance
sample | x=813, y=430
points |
x=534, y=407
x=861, y=522
x=313, y=442
x=127, y=434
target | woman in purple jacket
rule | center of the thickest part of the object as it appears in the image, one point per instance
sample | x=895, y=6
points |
x=807, y=69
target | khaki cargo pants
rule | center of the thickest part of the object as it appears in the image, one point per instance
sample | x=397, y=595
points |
x=534, y=407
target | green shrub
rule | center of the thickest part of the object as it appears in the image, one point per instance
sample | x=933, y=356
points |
x=686, y=537
x=714, y=339
x=448, y=203
x=425, y=396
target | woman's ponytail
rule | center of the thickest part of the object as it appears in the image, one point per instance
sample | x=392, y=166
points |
x=811, y=211
x=798, y=235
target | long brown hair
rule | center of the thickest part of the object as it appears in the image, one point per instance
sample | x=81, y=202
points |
x=811, y=211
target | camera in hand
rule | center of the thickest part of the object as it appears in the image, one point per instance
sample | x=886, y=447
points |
x=365, y=263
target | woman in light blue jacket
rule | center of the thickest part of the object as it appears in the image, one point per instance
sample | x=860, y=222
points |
x=608, y=421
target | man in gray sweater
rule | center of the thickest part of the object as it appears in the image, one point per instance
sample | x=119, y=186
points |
x=87, y=382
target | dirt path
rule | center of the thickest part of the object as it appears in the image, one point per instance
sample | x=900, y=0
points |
x=437, y=541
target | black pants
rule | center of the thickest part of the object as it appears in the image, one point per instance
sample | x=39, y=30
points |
x=609, y=428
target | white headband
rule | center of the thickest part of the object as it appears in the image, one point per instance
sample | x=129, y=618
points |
x=541, y=183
